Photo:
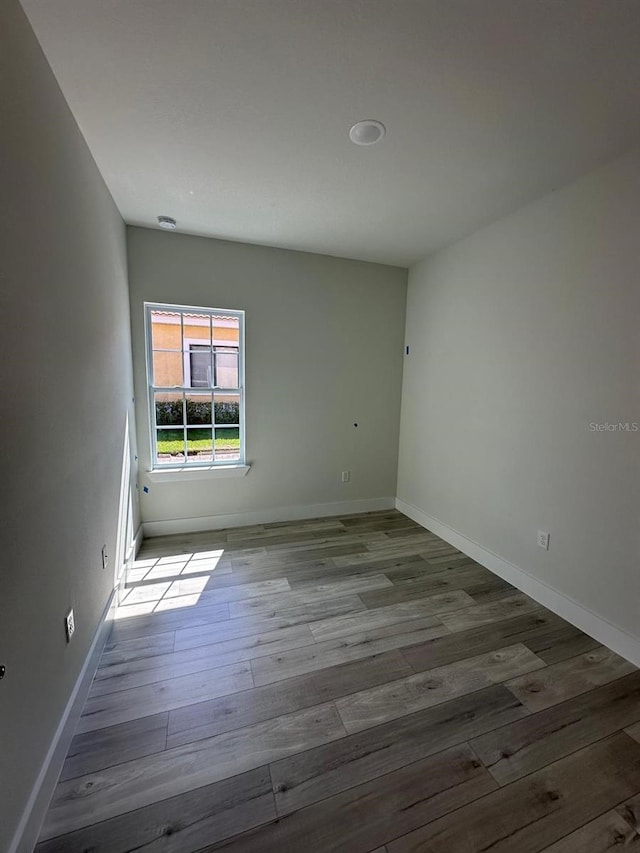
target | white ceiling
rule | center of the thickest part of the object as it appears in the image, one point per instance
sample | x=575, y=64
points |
x=233, y=115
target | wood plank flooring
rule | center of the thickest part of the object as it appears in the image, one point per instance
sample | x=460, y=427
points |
x=347, y=685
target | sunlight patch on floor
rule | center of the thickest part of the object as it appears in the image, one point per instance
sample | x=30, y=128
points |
x=172, y=590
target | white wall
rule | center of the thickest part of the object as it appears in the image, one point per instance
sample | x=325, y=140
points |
x=323, y=351
x=521, y=336
x=66, y=390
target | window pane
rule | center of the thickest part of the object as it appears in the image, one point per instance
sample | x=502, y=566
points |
x=167, y=369
x=198, y=408
x=199, y=445
x=227, y=443
x=196, y=330
x=199, y=366
x=166, y=330
x=226, y=367
x=226, y=330
x=168, y=409
x=227, y=409
x=170, y=446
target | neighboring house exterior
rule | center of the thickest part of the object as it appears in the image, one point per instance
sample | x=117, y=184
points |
x=182, y=349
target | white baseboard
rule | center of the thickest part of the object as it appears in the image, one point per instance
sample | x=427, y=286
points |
x=26, y=835
x=129, y=560
x=605, y=632
x=264, y=516
x=137, y=542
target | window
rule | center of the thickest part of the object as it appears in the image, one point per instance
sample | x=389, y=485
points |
x=195, y=378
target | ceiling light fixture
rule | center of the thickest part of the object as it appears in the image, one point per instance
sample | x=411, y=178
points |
x=167, y=222
x=367, y=132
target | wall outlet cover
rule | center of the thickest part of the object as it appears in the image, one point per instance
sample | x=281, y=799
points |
x=69, y=625
x=543, y=539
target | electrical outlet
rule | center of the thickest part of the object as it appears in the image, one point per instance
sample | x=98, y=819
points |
x=69, y=625
x=346, y=476
x=105, y=557
x=543, y=539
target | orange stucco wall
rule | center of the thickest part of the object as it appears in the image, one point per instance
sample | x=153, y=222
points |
x=168, y=366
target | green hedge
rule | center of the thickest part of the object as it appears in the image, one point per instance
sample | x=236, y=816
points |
x=172, y=440
x=198, y=412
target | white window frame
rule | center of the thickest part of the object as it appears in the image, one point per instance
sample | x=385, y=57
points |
x=195, y=464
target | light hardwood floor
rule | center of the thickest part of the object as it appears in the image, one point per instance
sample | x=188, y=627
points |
x=348, y=684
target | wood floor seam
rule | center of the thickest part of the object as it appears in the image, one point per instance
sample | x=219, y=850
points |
x=531, y=719
x=566, y=755
x=557, y=846
x=406, y=765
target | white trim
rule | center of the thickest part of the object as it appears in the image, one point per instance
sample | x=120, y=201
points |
x=135, y=544
x=264, y=516
x=237, y=315
x=192, y=472
x=28, y=830
x=577, y=614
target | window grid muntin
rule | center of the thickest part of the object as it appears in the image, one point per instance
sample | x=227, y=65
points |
x=184, y=390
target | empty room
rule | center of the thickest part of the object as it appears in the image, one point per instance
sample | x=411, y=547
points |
x=321, y=426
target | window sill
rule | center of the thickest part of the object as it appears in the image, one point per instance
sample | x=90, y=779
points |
x=170, y=475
